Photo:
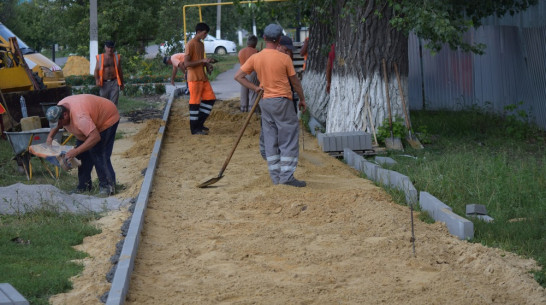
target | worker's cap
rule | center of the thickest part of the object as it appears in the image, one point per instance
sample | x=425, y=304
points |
x=273, y=31
x=165, y=59
x=53, y=113
x=109, y=44
x=287, y=42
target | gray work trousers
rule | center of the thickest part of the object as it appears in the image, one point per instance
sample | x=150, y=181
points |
x=281, y=133
x=249, y=96
x=110, y=90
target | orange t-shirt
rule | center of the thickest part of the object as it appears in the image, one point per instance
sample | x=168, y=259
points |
x=245, y=53
x=195, y=50
x=273, y=69
x=87, y=113
x=177, y=58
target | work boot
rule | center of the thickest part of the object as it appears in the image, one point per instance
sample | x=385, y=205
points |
x=199, y=132
x=296, y=183
x=105, y=191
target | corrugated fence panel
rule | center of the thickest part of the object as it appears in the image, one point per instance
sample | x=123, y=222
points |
x=511, y=70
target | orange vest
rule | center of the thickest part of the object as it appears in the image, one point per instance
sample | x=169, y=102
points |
x=100, y=63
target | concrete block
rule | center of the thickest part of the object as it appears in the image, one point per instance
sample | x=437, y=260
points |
x=457, y=225
x=369, y=169
x=385, y=160
x=10, y=296
x=485, y=218
x=320, y=139
x=410, y=191
x=337, y=141
x=382, y=176
x=315, y=126
x=431, y=204
x=348, y=156
x=476, y=209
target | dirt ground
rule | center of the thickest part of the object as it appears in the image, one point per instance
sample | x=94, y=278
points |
x=340, y=240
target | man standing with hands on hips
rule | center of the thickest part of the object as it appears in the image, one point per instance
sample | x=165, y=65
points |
x=108, y=73
x=279, y=120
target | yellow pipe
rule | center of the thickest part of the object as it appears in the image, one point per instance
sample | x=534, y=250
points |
x=211, y=4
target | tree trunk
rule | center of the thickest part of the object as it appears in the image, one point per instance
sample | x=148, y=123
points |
x=314, y=76
x=363, y=38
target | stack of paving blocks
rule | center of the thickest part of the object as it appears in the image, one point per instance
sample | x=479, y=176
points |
x=335, y=142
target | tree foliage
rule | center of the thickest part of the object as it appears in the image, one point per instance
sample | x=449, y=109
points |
x=437, y=21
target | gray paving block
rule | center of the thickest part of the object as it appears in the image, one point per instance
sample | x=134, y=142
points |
x=320, y=139
x=315, y=126
x=348, y=156
x=457, y=225
x=485, y=218
x=410, y=191
x=385, y=160
x=337, y=141
x=473, y=209
x=369, y=169
x=431, y=204
x=353, y=159
x=10, y=296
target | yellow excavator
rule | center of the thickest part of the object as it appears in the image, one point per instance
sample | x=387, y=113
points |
x=28, y=74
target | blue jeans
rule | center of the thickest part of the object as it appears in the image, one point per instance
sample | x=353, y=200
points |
x=99, y=157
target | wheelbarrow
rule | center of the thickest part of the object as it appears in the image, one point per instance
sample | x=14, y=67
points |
x=20, y=141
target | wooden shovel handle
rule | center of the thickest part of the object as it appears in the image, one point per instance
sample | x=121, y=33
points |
x=387, y=92
x=408, y=125
x=258, y=98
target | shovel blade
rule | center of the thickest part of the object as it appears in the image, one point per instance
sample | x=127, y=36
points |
x=209, y=182
x=414, y=142
x=394, y=144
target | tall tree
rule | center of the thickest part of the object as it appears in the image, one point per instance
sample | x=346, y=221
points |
x=367, y=31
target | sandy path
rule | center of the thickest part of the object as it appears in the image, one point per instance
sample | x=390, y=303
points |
x=246, y=241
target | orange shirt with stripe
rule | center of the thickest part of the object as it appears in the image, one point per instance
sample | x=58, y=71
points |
x=245, y=53
x=273, y=69
x=89, y=112
x=195, y=50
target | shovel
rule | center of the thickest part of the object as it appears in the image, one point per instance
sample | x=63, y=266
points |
x=392, y=142
x=221, y=173
x=412, y=140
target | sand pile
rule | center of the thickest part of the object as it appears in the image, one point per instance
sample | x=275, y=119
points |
x=76, y=65
x=340, y=240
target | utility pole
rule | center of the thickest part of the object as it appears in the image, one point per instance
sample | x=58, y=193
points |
x=218, y=20
x=93, y=35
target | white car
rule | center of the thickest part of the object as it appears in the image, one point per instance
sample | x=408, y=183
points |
x=212, y=45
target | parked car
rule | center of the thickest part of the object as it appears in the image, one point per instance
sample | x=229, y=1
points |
x=212, y=45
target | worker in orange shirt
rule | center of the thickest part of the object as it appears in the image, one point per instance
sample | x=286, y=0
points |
x=279, y=120
x=93, y=120
x=202, y=97
x=248, y=96
x=177, y=61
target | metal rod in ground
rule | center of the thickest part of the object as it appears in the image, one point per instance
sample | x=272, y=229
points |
x=412, y=232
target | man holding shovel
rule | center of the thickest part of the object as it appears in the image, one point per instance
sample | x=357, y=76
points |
x=279, y=120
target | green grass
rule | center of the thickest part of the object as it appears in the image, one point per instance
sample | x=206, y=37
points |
x=40, y=264
x=475, y=157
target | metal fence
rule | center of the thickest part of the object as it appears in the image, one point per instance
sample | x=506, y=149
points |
x=513, y=68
